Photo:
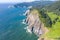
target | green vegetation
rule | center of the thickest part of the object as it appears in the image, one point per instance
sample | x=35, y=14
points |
x=52, y=22
x=50, y=16
x=55, y=7
x=55, y=30
x=45, y=18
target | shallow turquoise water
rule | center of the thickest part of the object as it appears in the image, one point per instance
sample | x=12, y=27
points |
x=11, y=26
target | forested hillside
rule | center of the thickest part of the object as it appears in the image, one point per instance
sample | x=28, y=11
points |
x=50, y=16
x=55, y=7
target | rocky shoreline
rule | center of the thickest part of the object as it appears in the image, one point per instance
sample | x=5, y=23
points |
x=34, y=23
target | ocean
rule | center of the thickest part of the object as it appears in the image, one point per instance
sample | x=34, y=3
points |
x=12, y=25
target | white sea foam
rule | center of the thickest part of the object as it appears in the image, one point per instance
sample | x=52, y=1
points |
x=23, y=21
x=25, y=28
x=38, y=39
x=30, y=7
x=26, y=12
x=28, y=30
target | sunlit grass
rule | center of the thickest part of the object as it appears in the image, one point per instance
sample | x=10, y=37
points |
x=55, y=30
x=52, y=15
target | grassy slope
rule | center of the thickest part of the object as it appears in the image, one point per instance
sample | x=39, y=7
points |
x=55, y=30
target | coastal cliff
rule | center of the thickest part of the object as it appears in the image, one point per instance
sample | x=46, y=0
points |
x=45, y=23
x=34, y=23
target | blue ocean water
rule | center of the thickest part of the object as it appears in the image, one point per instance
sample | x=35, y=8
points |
x=11, y=26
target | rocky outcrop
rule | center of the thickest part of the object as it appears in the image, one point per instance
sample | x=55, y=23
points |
x=34, y=23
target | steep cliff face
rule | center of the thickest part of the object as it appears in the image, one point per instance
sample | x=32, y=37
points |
x=34, y=23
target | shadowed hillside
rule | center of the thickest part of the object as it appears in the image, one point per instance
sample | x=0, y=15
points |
x=55, y=7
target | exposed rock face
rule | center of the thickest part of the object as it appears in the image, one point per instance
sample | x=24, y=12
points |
x=34, y=23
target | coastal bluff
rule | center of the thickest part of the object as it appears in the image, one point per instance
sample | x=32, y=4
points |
x=34, y=23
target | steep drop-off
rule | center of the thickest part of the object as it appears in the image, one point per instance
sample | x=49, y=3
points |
x=34, y=23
